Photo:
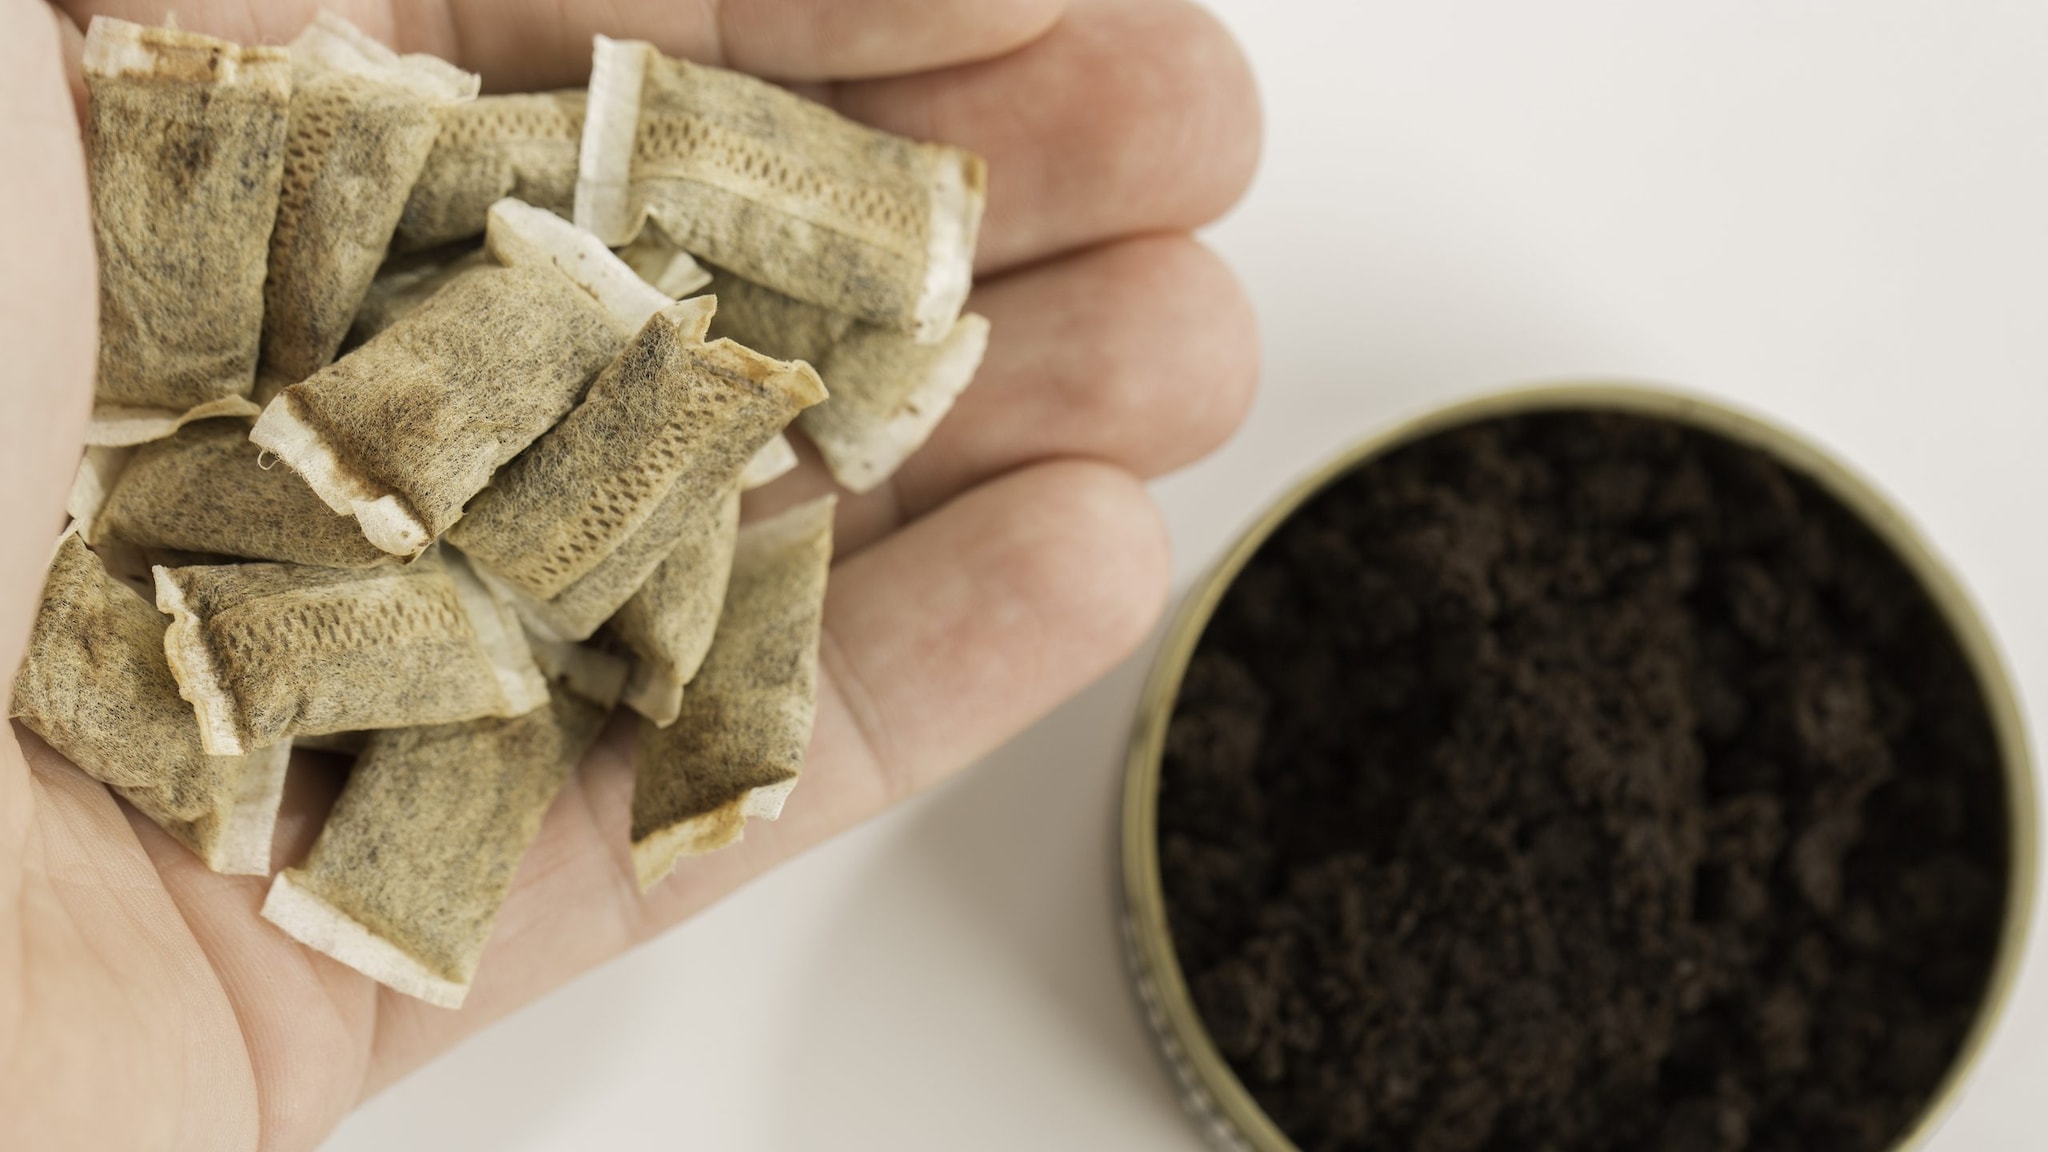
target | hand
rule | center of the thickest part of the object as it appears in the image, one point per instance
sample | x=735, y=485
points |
x=143, y=1002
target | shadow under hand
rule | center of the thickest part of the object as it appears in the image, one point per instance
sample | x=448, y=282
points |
x=975, y=981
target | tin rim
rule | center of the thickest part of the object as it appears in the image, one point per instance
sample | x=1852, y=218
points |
x=1209, y=1089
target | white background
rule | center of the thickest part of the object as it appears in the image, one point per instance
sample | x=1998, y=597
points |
x=1834, y=213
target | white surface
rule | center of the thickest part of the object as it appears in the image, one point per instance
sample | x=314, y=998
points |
x=1836, y=214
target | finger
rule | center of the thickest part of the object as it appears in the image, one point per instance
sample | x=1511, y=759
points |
x=940, y=643
x=1143, y=354
x=48, y=304
x=547, y=45
x=1129, y=116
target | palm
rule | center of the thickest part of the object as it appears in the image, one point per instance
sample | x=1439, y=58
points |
x=144, y=1003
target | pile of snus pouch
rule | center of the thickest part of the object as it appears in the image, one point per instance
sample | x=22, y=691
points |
x=420, y=428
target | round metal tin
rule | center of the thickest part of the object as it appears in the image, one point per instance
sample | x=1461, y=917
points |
x=1212, y=1093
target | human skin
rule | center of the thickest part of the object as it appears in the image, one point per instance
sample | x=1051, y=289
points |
x=145, y=1004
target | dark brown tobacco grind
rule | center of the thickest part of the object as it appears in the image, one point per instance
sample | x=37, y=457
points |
x=1580, y=782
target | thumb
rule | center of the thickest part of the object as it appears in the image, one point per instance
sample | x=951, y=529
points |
x=48, y=307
